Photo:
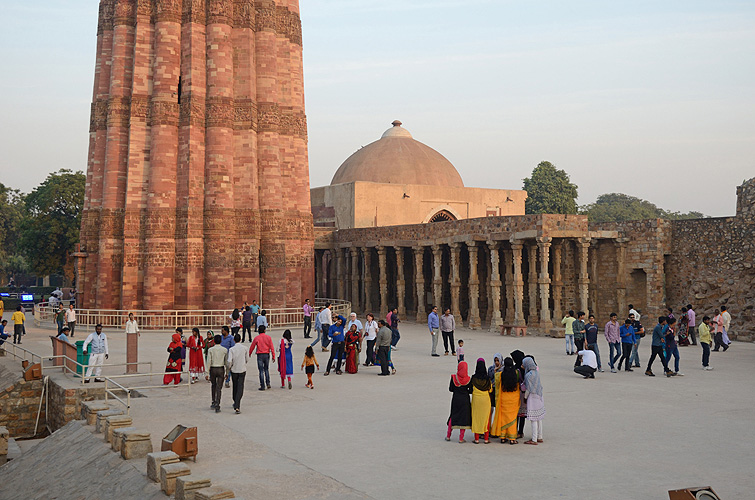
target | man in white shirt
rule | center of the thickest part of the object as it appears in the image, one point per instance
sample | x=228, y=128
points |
x=131, y=325
x=71, y=318
x=632, y=311
x=326, y=319
x=586, y=364
x=99, y=354
x=370, y=333
x=726, y=320
x=238, y=355
x=692, y=328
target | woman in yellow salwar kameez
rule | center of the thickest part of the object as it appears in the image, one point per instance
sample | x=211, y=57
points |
x=507, y=402
x=481, y=389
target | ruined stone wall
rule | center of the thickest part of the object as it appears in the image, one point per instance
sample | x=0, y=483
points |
x=711, y=263
x=65, y=400
x=19, y=404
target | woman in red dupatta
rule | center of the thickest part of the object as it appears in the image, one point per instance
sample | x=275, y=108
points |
x=196, y=360
x=173, y=367
x=352, y=344
x=461, y=408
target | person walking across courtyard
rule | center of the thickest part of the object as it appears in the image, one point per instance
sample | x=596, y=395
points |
x=71, y=319
x=308, y=310
x=726, y=324
x=336, y=336
x=286, y=360
x=99, y=353
x=217, y=360
x=326, y=319
x=461, y=409
x=433, y=324
x=195, y=346
x=246, y=323
x=671, y=348
x=264, y=346
x=535, y=402
x=393, y=321
x=383, y=342
x=174, y=365
x=227, y=342
x=447, y=327
x=628, y=340
x=308, y=365
x=237, y=359
x=611, y=333
x=639, y=333
x=18, y=319
x=705, y=341
x=692, y=322
x=659, y=334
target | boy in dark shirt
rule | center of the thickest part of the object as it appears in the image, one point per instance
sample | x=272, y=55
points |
x=591, y=337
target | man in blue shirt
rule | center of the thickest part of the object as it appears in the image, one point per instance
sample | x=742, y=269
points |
x=227, y=342
x=337, y=338
x=3, y=335
x=433, y=324
x=659, y=332
x=626, y=332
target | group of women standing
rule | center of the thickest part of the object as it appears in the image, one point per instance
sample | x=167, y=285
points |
x=511, y=387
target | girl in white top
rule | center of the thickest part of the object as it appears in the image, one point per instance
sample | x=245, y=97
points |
x=131, y=325
x=370, y=333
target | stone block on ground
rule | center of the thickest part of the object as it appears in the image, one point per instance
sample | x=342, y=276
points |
x=135, y=444
x=89, y=410
x=102, y=415
x=214, y=493
x=4, y=440
x=187, y=486
x=168, y=475
x=115, y=442
x=155, y=460
x=113, y=423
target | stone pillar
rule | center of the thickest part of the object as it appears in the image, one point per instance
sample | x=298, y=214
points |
x=518, y=282
x=355, y=279
x=437, y=279
x=455, y=279
x=367, y=258
x=544, y=282
x=489, y=287
x=495, y=287
x=593, y=260
x=558, y=284
x=508, y=261
x=621, y=274
x=419, y=279
x=474, y=288
x=400, y=282
x=132, y=353
x=324, y=274
x=340, y=275
x=583, y=247
x=532, y=283
x=383, y=279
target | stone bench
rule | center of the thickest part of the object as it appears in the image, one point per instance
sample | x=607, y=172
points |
x=115, y=422
x=101, y=416
x=115, y=443
x=187, y=486
x=214, y=493
x=135, y=444
x=155, y=460
x=89, y=410
x=514, y=330
x=168, y=475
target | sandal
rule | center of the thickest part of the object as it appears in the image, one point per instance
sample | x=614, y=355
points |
x=504, y=441
x=539, y=440
x=513, y=441
x=393, y=371
x=476, y=441
x=487, y=441
x=448, y=439
x=530, y=442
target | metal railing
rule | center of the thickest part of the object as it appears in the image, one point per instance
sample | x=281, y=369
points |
x=13, y=350
x=44, y=316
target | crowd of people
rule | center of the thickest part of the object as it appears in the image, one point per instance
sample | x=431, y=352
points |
x=624, y=339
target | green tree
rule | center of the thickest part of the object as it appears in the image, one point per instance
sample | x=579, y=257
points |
x=51, y=230
x=12, y=265
x=12, y=212
x=549, y=191
x=617, y=207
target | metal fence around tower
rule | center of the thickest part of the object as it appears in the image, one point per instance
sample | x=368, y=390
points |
x=44, y=316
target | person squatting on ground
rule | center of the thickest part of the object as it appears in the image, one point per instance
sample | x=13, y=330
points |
x=586, y=365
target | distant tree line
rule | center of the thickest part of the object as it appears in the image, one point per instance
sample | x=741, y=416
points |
x=550, y=191
x=39, y=230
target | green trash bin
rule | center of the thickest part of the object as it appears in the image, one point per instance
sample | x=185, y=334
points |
x=81, y=358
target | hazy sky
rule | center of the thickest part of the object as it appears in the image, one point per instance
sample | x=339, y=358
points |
x=655, y=99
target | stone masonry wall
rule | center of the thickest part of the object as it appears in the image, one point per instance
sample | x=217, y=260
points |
x=65, y=400
x=19, y=404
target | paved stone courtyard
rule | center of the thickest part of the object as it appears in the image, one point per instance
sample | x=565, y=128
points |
x=621, y=435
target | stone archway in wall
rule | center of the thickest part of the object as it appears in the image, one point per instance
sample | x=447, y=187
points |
x=442, y=213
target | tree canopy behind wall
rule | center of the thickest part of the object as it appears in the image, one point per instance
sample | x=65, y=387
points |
x=549, y=191
x=617, y=207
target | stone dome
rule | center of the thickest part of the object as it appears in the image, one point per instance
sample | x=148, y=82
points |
x=396, y=158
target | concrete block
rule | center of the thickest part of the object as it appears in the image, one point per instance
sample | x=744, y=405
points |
x=102, y=415
x=115, y=442
x=214, y=493
x=135, y=444
x=4, y=441
x=155, y=460
x=114, y=422
x=89, y=410
x=186, y=486
x=168, y=475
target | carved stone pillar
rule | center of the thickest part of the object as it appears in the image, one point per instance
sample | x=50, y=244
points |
x=621, y=274
x=400, y=282
x=419, y=279
x=495, y=287
x=383, y=279
x=593, y=288
x=508, y=262
x=544, y=282
x=532, y=283
x=367, y=280
x=437, y=279
x=558, y=284
x=355, y=279
x=583, y=247
x=474, y=288
x=455, y=279
x=331, y=267
x=489, y=287
x=518, y=281
x=340, y=278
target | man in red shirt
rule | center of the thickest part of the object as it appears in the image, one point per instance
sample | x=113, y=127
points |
x=264, y=345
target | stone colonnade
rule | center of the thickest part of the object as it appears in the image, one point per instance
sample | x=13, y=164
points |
x=517, y=281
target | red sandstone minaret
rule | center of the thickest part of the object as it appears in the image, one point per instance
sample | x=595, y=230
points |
x=198, y=178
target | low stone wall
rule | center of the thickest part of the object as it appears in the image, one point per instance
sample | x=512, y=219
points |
x=19, y=405
x=65, y=400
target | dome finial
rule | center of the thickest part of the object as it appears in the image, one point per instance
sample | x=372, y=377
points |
x=396, y=123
